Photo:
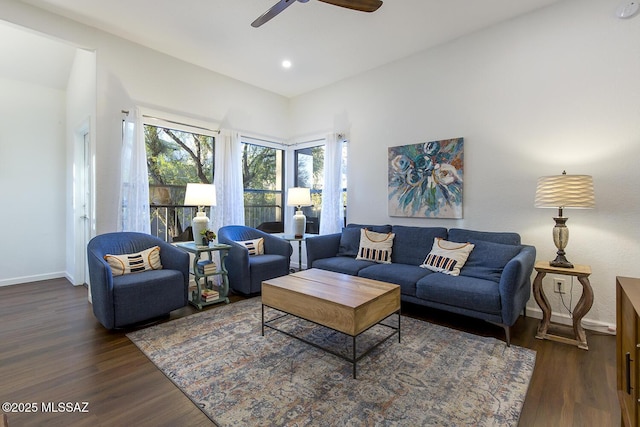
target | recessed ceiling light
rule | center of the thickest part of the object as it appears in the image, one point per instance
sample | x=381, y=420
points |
x=286, y=64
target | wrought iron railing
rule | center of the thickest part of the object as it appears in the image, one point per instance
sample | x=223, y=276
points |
x=171, y=222
x=260, y=214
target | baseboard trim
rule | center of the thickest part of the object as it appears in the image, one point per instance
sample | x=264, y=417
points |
x=34, y=278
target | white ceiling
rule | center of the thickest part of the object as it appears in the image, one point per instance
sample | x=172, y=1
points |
x=325, y=43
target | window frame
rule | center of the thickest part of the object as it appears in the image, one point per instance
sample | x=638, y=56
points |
x=280, y=180
x=162, y=119
x=316, y=142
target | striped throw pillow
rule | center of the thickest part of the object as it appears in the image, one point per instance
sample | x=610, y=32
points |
x=375, y=247
x=447, y=257
x=149, y=259
x=255, y=246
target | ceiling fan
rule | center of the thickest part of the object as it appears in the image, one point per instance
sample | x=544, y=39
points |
x=360, y=5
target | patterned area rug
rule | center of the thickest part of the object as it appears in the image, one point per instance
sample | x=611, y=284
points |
x=435, y=377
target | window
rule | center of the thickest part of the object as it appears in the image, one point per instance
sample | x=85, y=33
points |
x=175, y=157
x=263, y=177
x=309, y=173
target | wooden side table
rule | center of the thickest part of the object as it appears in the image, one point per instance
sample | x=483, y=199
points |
x=582, y=272
x=195, y=298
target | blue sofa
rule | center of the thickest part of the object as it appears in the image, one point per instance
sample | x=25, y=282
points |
x=494, y=283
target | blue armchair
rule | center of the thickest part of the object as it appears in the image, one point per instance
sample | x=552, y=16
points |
x=246, y=273
x=131, y=298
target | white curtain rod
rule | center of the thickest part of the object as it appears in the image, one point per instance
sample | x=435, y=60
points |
x=175, y=122
x=340, y=136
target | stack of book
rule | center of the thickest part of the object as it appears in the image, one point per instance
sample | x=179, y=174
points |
x=207, y=267
x=210, y=268
x=209, y=295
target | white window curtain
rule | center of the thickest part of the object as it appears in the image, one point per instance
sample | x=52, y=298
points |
x=331, y=213
x=229, y=208
x=134, y=212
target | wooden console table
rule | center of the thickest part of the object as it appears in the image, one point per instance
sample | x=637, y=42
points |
x=582, y=272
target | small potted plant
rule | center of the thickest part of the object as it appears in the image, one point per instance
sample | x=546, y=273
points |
x=207, y=236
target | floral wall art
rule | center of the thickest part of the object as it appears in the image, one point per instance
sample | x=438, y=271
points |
x=425, y=180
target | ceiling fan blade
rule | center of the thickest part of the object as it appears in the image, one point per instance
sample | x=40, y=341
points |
x=360, y=5
x=269, y=14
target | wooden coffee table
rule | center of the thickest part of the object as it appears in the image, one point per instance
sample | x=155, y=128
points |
x=344, y=303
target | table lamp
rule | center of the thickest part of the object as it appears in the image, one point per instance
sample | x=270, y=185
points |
x=200, y=195
x=563, y=191
x=298, y=196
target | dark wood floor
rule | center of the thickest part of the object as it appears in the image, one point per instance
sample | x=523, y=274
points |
x=53, y=350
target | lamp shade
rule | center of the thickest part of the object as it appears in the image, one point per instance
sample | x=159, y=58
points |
x=565, y=191
x=298, y=196
x=200, y=195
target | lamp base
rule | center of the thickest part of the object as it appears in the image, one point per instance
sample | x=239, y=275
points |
x=198, y=224
x=299, y=224
x=560, y=261
x=560, y=239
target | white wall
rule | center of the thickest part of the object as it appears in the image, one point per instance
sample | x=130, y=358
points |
x=556, y=89
x=32, y=178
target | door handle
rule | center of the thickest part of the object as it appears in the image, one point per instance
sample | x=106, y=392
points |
x=628, y=366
